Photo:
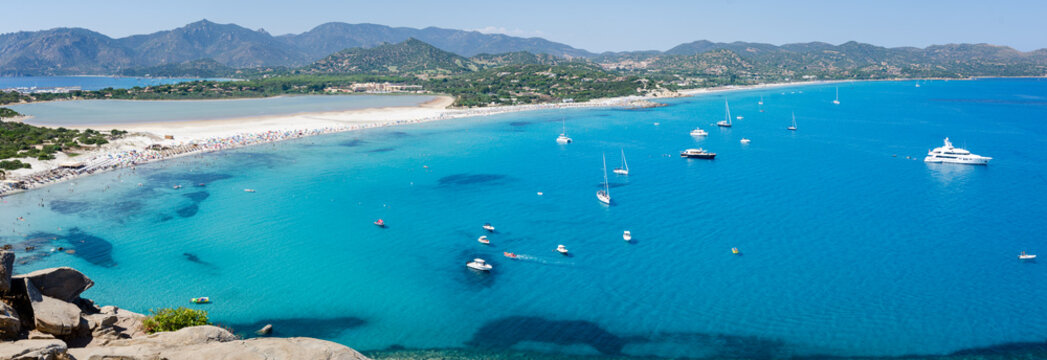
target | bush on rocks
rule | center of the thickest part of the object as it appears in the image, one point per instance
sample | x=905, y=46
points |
x=174, y=319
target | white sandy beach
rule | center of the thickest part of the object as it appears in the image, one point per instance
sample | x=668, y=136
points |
x=189, y=137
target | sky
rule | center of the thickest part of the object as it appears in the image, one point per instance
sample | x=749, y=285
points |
x=594, y=25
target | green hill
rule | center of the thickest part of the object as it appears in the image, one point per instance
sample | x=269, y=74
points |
x=409, y=57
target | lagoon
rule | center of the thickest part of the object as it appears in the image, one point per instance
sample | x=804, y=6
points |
x=87, y=82
x=116, y=112
x=850, y=244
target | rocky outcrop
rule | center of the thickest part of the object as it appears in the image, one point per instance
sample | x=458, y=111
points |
x=44, y=311
x=62, y=283
x=34, y=350
x=209, y=342
x=7, y=263
x=10, y=323
x=51, y=315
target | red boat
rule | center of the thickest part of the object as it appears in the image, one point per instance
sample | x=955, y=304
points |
x=509, y=255
x=380, y=223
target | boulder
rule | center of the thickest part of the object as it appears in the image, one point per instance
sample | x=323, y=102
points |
x=265, y=330
x=102, y=328
x=209, y=342
x=33, y=350
x=63, y=283
x=37, y=335
x=7, y=263
x=52, y=316
x=10, y=323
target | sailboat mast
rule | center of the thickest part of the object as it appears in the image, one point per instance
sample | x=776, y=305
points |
x=728, y=107
x=606, y=187
x=624, y=164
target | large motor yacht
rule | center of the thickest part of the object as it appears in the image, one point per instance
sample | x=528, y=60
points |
x=697, y=154
x=954, y=155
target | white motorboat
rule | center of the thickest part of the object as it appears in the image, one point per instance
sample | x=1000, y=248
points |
x=604, y=195
x=561, y=249
x=489, y=227
x=483, y=240
x=727, y=120
x=953, y=155
x=1024, y=256
x=249, y=190
x=624, y=170
x=698, y=132
x=563, y=139
x=745, y=141
x=479, y=265
x=698, y=153
x=627, y=236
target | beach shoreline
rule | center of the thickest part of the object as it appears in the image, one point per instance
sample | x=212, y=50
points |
x=156, y=141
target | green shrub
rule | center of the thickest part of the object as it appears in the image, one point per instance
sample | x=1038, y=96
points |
x=174, y=319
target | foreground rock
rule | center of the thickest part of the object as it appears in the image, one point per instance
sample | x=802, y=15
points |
x=7, y=263
x=62, y=283
x=51, y=315
x=33, y=350
x=209, y=342
x=44, y=312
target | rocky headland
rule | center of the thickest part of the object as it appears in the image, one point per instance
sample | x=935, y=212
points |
x=42, y=316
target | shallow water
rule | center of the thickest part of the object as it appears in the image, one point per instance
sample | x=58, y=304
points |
x=90, y=112
x=846, y=249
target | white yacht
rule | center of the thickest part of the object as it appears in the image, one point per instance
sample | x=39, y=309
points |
x=953, y=155
x=793, y=126
x=604, y=195
x=628, y=236
x=489, y=227
x=479, y=265
x=561, y=249
x=698, y=132
x=563, y=139
x=727, y=121
x=1024, y=256
x=624, y=170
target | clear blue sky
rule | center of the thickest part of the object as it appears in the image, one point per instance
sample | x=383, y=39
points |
x=595, y=25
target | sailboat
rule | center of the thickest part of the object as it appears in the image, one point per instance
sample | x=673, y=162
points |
x=727, y=122
x=563, y=139
x=837, y=101
x=624, y=170
x=760, y=104
x=604, y=195
x=793, y=126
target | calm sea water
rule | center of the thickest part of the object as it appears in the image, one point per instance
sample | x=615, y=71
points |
x=849, y=248
x=87, y=112
x=86, y=82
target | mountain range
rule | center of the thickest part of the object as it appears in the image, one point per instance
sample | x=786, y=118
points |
x=330, y=46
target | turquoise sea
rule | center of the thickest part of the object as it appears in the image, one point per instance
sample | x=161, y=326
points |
x=851, y=245
x=87, y=82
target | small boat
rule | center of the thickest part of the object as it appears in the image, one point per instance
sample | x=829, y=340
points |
x=604, y=195
x=1024, y=256
x=917, y=84
x=176, y=187
x=563, y=139
x=249, y=190
x=380, y=223
x=489, y=227
x=698, y=132
x=561, y=249
x=200, y=300
x=837, y=101
x=483, y=240
x=738, y=117
x=201, y=185
x=697, y=154
x=509, y=255
x=727, y=120
x=761, y=101
x=745, y=141
x=628, y=236
x=540, y=193
x=624, y=170
x=479, y=265
x=735, y=251
x=793, y=126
